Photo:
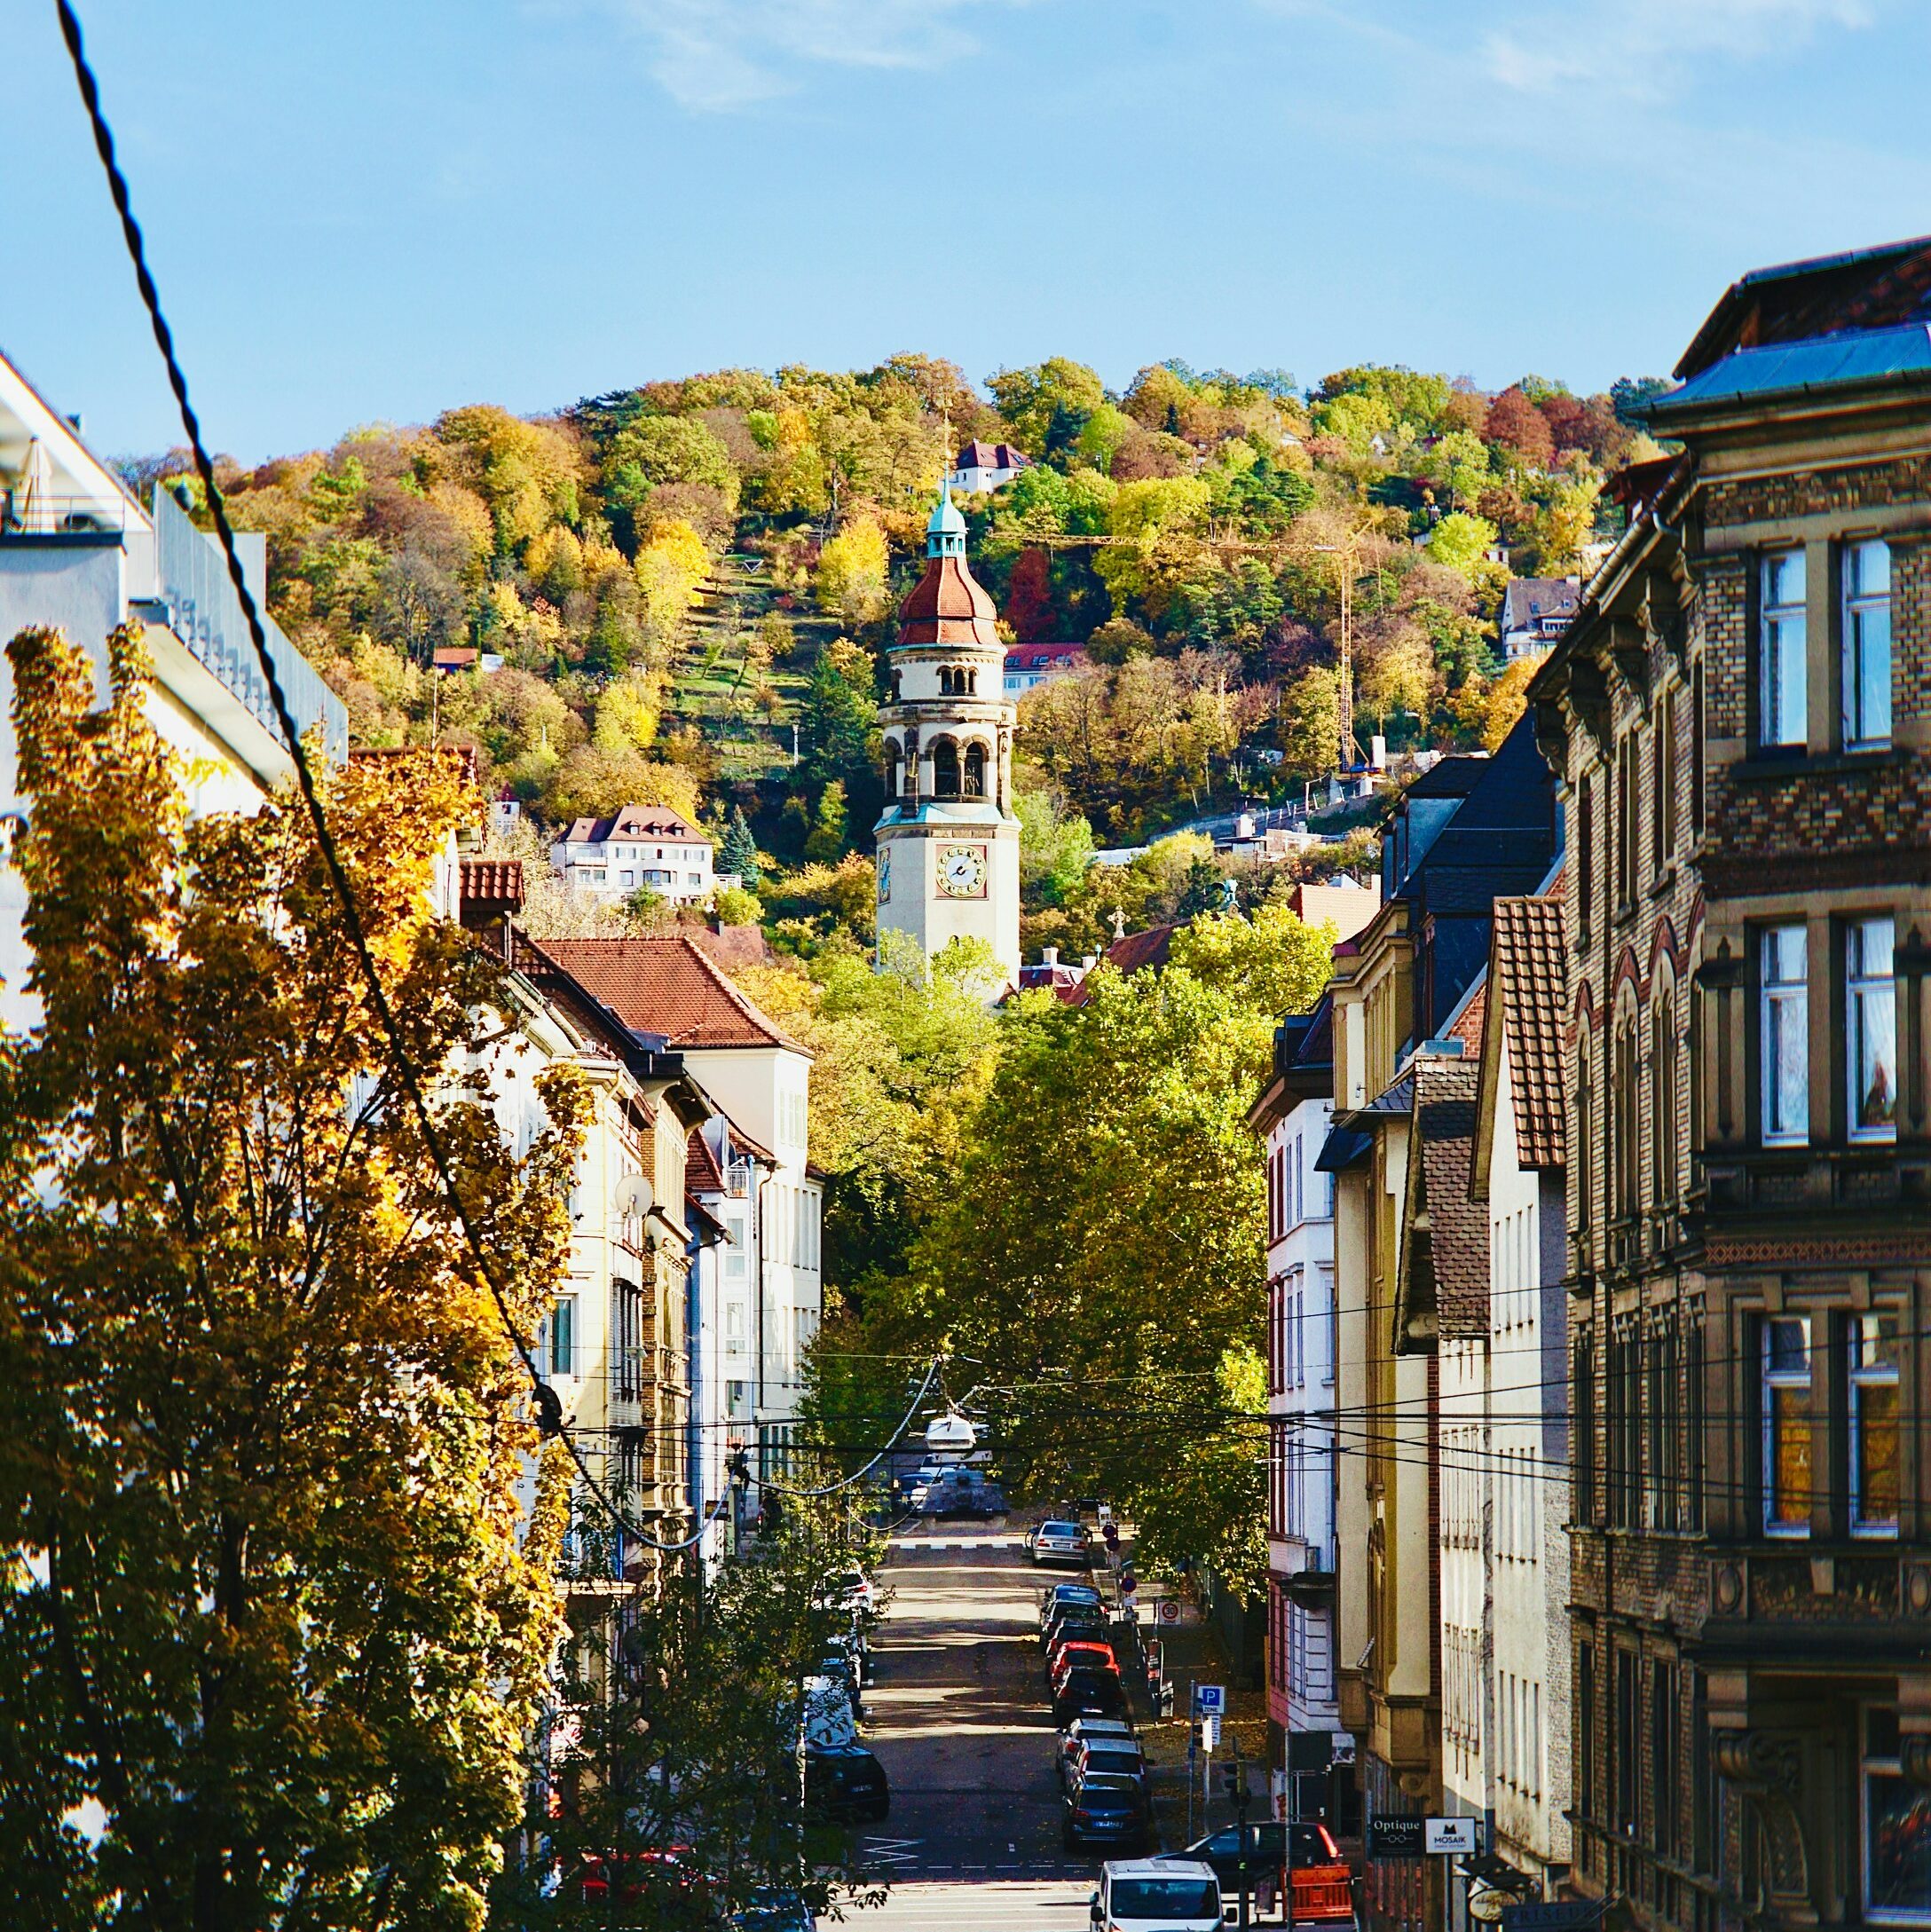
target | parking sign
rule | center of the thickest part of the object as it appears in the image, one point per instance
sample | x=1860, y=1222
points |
x=1210, y=1699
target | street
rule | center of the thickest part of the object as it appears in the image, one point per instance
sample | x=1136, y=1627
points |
x=958, y=1717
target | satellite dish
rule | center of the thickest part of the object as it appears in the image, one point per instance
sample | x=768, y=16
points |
x=635, y=1196
x=950, y=1435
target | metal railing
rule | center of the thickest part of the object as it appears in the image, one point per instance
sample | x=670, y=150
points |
x=207, y=619
x=37, y=513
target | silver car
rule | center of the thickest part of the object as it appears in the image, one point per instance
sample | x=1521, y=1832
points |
x=1057, y=1541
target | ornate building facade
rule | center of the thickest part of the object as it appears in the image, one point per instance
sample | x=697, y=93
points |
x=948, y=839
x=1739, y=719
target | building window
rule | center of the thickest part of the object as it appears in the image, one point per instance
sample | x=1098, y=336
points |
x=1784, y=1024
x=1626, y=820
x=1896, y=1827
x=1699, y=725
x=1585, y=857
x=1867, y=644
x=1666, y=777
x=1625, y=1428
x=1870, y=1019
x=1666, y=1713
x=1874, y=1425
x=1781, y=687
x=1626, y=1746
x=1582, y=1364
x=1693, y=1410
x=1663, y=1106
x=1663, y=1476
x=559, y=1343
x=1786, y=1425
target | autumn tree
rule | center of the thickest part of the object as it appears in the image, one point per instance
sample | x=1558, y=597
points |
x=269, y=1624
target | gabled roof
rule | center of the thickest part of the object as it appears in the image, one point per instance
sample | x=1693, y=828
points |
x=978, y=455
x=1132, y=954
x=489, y=889
x=669, y=985
x=635, y=821
x=1527, y=970
x=1528, y=600
x=1443, y=1291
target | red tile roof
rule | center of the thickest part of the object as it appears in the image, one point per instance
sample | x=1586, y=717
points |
x=702, y=1174
x=668, y=985
x=978, y=455
x=1053, y=657
x=490, y=886
x=735, y=945
x=1529, y=972
x=635, y=821
x=1133, y=954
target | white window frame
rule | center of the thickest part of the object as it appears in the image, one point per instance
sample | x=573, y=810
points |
x=1783, y=643
x=1865, y=991
x=1862, y=606
x=1776, y=999
x=1771, y=1380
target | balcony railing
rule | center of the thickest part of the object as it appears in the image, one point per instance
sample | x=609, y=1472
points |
x=207, y=617
x=35, y=513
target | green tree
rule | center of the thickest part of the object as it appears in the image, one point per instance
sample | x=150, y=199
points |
x=1461, y=542
x=1310, y=722
x=738, y=853
x=840, y=714
x=824, y=843
x=267, y=1609
x=1118, y=1284
x=1049, y=403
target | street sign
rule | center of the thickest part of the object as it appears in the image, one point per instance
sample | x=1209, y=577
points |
x=1394, y=1838
x=1448, y=1834
x=1210, y=1734
x=1211, y=1700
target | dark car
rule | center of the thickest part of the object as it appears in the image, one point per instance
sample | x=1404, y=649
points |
x=1087, y=1693
x=1103, y=1809
x=845, y=1782
x=1313, y=1846
x=1063, y=1615
x=1051, y=1599
x=772, y=1909
x=837, y=1665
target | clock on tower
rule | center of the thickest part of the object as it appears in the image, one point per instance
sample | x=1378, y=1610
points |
x=948, y=839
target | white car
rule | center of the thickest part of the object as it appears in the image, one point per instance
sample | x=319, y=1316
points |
x=1057, y=1540
x=1157, y=1895
x=828, y=1721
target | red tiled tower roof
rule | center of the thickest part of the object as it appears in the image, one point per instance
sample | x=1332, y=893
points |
x=949, y=606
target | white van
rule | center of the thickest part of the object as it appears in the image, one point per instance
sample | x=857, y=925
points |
x=1157, y=1895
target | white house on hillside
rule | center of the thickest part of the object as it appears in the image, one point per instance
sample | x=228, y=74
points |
x=760, y=1078
x=1292, y=1117
x=640, y=845
x=986, y=466
x=79, y=552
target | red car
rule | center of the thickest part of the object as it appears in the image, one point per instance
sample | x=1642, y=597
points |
x=1084, y=1657
x=642, y=1876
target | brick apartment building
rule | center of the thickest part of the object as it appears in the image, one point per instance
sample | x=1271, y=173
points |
x=1739, y=719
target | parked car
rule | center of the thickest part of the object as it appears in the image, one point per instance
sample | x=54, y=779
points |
x=1056, y=1596
x=1057, y=1540
x=1319, y=1876
x=959, y=1491
x=830, y=1717
x=1088, y=1693
x=849, y=1590
x=1069, y=1614
x=772, y=1909
x=1078, y=1655
x=916, y=1479
x=1087, y=1730
x=846, y=1782
x=1139, y=1895
x=666, y=1880
x=1111, y=1757
x=1105, y=1810
x=837, y=1667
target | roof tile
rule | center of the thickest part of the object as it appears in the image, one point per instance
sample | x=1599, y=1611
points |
x=667, y=984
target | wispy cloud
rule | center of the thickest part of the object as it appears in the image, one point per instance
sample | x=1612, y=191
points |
x=1643, y=49
x=719, y=55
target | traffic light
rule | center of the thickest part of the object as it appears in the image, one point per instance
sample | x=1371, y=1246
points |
x=1233, y=1778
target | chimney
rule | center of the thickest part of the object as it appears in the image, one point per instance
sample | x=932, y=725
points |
x=1088, y=961
x=1050, y=956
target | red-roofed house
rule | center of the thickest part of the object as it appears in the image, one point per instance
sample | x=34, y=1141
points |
x=986, y=466
x=759, y=1077
x=640, y=845
x=1028, y=665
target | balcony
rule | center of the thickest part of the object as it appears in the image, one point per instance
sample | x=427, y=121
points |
x=36, y=516
x=204, y=610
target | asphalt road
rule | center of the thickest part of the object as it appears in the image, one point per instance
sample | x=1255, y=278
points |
x=959, y=1719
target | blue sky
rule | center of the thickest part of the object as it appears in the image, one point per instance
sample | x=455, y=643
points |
x=375, y=211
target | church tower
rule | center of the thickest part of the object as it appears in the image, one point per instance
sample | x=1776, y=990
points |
x=948, y=840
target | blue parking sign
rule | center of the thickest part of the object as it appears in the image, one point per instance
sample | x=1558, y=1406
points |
x=1209, y=1700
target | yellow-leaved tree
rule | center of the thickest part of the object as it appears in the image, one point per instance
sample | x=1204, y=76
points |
x=271, y=1643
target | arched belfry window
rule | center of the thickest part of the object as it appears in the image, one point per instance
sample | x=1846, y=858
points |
x=975, y=771
x=945, y=773
x=894, y=760
x=972, y=682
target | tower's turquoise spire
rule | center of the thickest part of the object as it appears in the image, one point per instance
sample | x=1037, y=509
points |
x=945, y=534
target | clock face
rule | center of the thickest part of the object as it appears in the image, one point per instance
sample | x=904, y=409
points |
x=962, y=872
